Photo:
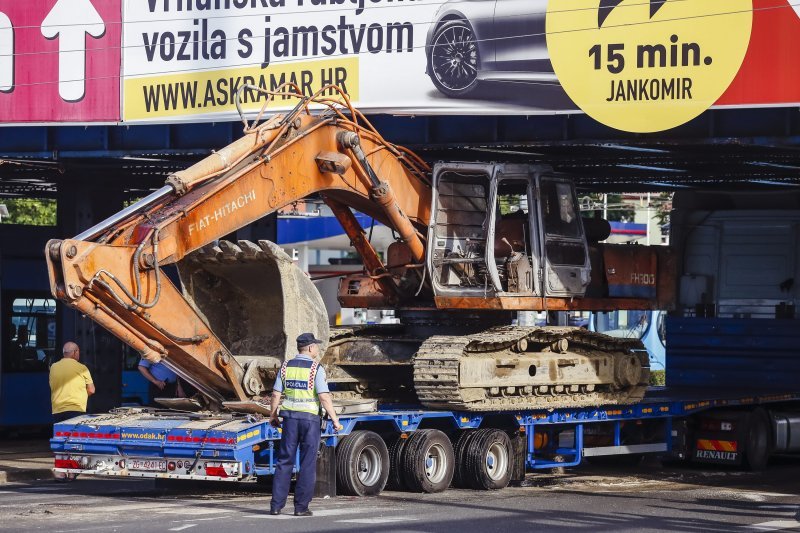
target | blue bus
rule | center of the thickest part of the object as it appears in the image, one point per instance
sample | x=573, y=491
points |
x=28, y=349
x=649, y=326
x=29, y=346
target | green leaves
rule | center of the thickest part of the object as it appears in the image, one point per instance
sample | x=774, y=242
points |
x=30, y=211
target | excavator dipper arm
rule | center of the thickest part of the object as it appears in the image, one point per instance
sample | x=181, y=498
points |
x=112, y=273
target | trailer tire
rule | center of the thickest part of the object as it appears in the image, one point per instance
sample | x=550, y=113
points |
x=396, y=449
x=428, y=461
x=362, y=464
x=488, y=464
x=759, y=441
x=459, y=451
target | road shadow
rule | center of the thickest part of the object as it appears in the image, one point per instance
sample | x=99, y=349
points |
x=780, y=475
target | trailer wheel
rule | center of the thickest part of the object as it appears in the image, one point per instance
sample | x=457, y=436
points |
x=396, y=449
x=459, y=451
x=362, y=464
x=759, y=444
x=428, y=461
x=488, y=460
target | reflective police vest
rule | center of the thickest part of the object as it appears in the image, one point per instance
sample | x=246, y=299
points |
x=298, y=376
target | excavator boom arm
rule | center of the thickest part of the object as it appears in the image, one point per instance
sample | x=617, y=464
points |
x=112, y=272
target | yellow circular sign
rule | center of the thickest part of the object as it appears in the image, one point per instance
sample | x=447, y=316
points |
x=647, y=65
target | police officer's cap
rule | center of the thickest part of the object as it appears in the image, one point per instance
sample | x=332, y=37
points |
x=306, y=339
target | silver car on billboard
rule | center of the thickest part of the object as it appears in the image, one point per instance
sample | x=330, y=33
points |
x=472, y=41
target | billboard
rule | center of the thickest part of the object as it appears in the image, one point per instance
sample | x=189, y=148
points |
x=187, y=58
x=60, y=61
x=634, y=65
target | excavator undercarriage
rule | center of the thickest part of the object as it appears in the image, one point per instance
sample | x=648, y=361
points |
x=256, y=300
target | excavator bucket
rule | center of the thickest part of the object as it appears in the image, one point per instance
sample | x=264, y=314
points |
x=255, y=299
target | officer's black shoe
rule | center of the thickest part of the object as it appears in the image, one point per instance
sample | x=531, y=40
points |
x=303, y=513
x=274, y=511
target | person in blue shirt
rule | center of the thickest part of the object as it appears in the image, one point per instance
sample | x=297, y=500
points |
x=163, y=381
x=302, y=381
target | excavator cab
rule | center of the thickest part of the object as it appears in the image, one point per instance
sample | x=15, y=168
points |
x=506, y=230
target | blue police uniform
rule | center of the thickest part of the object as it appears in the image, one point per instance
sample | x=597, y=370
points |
x=302, y=380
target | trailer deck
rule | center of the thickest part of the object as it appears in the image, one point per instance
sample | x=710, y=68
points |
x=230, y=447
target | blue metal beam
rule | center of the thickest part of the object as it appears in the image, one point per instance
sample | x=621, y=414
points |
x=771, y=125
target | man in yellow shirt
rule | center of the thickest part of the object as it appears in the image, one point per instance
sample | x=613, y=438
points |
x=70, y=384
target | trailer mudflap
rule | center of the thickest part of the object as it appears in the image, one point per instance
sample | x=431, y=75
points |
x=719, y=451
x=326, y=472
x=720, y=438
x=519, y=450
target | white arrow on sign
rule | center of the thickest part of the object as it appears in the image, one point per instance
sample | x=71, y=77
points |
x=796, y=7
x=7, y=51
x=70, y=20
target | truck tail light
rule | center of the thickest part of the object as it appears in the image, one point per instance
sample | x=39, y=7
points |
x=223, y=469
x=171, y=466
x=711, y=424
x=67, y=463
x=216, y=471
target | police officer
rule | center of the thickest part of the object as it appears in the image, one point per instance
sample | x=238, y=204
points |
x=303, y=382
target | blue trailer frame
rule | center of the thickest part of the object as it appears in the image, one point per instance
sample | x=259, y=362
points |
x=243, y=447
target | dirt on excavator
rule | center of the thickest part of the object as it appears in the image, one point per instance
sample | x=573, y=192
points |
x=257, y=301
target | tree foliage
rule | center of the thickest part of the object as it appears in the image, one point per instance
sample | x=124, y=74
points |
x=30, y=211
x=664, y=207
x=622, y=210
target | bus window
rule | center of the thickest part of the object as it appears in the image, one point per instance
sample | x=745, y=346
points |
x=623, y=324
x=662, y=328
x=648, y=326
x=30, y=334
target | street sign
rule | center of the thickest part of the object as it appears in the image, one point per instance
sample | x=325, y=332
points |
x=60, y=60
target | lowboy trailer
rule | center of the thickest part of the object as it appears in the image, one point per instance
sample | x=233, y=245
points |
x=428, y=451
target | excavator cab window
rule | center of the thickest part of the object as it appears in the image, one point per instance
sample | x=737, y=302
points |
x=566, y=253
x=458, y=258
x=559, y=211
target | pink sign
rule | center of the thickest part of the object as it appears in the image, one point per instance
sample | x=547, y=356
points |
x=60, y=60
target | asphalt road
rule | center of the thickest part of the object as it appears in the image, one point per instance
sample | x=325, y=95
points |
x=647, y=498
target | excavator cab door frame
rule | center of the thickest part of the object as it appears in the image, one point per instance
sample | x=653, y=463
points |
x=521, y=247
x=459, y=229
x=564, y=250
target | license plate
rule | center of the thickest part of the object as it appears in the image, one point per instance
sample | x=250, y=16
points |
x=149, y=465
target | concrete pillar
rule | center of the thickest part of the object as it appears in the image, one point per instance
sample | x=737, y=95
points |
x=303, y=259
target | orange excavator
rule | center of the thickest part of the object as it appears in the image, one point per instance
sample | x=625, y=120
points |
x=475, y=243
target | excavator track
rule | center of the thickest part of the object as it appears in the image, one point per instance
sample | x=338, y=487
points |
x=442, y=365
